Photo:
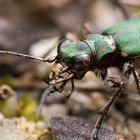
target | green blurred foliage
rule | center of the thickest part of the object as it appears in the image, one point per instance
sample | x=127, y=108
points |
x=27, y=106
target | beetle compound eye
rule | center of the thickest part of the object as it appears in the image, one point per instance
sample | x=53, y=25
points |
x=81, y=61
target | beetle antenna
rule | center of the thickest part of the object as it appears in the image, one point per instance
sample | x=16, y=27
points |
x=28, y=56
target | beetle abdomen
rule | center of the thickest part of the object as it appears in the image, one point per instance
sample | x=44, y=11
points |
x=128, y=42
x=133, y=23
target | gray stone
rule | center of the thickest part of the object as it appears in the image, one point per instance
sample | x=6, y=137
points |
x=72, y=128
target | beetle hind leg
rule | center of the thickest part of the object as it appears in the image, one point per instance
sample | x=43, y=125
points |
x=130, y=69
x=106, y=108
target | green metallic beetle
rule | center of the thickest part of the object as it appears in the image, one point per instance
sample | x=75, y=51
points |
x=117, y=46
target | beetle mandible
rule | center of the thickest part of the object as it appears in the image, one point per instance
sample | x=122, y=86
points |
x=117, y=46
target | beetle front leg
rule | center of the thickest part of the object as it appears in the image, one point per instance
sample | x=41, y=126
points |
x=72, y=89
x=129, y=68
x=71, y=36
x=105, y=110
x=90, y=29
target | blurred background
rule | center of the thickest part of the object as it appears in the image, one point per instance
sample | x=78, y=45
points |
x=35, y=27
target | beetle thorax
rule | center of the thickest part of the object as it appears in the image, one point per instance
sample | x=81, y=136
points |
x=101, y=45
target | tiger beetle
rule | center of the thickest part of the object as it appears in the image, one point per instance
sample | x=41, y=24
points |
x=118, y=46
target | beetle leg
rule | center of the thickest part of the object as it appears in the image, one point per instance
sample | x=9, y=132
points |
x=71, y=36
x=131, y=69
x=72, y=89
x=136, y=79
x=89, y=28
x=61, y=88
x=105, y=110
x=113, y=82
x=123, y=10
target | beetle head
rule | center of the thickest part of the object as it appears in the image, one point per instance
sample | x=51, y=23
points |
x=74, y=58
